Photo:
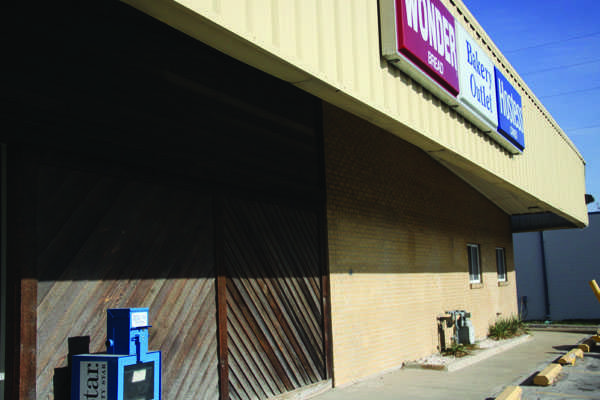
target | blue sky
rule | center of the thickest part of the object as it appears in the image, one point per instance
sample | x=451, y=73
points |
x=555, y=46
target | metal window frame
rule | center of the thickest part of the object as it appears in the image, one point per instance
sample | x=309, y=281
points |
x=501, y=277
x=478, y=262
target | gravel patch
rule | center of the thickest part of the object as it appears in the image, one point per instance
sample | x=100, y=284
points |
x=440, y=360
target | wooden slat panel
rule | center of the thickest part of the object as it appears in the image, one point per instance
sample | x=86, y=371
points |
x=22, y=285
x=254, y=350
x=108, y=242
x=273, y=298
x=223, y=351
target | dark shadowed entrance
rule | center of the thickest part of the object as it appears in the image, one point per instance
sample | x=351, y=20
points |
x=149, y=170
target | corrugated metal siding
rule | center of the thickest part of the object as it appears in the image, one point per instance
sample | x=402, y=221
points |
x=331, y=49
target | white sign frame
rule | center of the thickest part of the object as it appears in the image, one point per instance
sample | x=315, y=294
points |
x=139, y=319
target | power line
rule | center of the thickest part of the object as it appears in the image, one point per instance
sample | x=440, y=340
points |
x=583, y=128
x=551, y=43
x=561, y=67
x=571, y=92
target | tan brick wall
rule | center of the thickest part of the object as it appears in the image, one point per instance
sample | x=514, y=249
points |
x=398, y=225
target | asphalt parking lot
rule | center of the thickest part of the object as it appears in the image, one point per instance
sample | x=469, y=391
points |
x=580, y=381
x=486, y=379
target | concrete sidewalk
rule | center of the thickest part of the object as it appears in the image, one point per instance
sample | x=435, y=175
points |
x=480, y=381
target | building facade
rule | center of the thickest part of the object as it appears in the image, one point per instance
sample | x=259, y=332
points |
x=296, y=208
x=554, y=268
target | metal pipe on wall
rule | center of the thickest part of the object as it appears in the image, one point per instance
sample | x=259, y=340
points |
x=595, y=288
x=545, y=277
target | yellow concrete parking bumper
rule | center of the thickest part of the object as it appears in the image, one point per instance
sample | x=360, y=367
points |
x=548, y=375
x=511, y=393
x=571, y=356
x=587, y=345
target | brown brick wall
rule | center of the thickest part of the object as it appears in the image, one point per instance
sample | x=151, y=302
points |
x=398, y=225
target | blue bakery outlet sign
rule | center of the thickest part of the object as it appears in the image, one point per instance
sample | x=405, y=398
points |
x=510, y=111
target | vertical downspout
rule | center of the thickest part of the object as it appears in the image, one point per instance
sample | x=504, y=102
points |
x=545, y=276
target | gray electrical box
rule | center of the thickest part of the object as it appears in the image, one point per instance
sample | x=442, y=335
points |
x=466, y=332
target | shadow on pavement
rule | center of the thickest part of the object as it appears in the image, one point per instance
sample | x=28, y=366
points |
x=563, y=348
x=529, y=380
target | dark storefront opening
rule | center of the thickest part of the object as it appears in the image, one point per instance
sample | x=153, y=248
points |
x=155, y=171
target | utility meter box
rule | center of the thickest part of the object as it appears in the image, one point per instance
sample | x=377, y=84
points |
x=128, y=371
x=466, y=331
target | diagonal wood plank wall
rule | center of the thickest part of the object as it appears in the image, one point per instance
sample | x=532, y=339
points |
x=273, y=299
x=107, y=242
x=125, y=169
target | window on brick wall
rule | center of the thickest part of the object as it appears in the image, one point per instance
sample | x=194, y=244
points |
x=474, y=263
x=501, y=264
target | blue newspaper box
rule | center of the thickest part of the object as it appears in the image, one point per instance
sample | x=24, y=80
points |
x=128, y=371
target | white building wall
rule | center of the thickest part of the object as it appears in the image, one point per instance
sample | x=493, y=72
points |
x=530, y=280
x=572, y=260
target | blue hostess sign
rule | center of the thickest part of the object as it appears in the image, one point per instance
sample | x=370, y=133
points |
x=510, y=111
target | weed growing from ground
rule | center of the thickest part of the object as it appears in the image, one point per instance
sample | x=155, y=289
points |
x=505, y=328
